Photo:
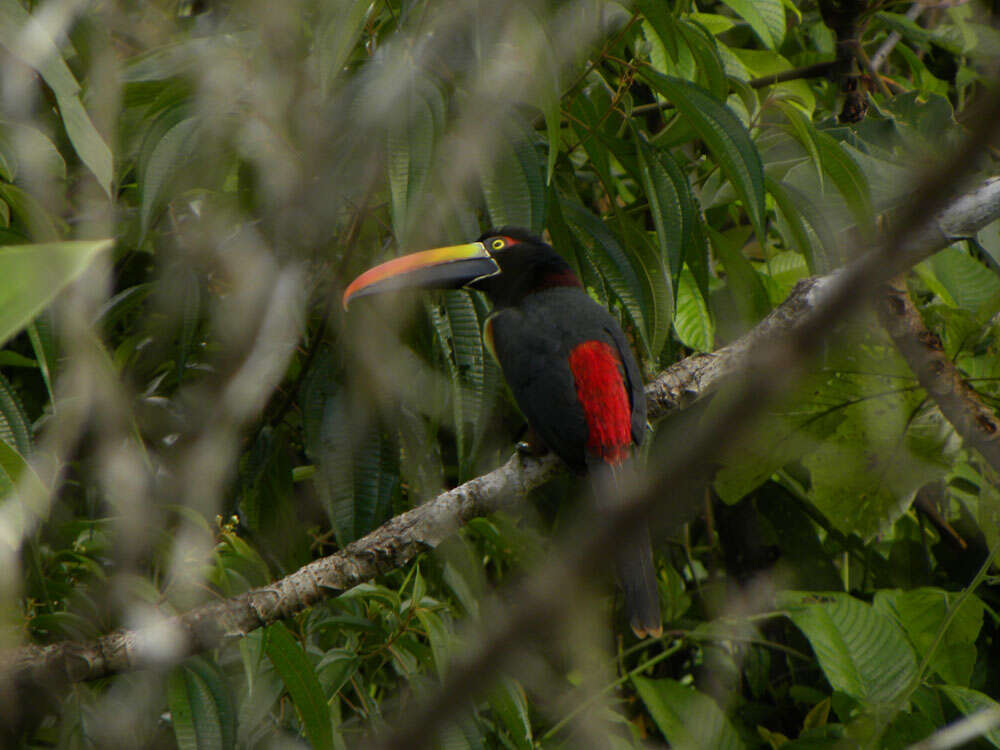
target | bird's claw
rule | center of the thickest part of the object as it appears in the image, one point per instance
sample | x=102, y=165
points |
x=530, y=449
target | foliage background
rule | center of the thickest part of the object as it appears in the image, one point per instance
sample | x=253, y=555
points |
x=185, y=412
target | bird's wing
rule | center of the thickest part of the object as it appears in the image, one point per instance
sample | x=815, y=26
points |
x=633, y=381
x=536, y=367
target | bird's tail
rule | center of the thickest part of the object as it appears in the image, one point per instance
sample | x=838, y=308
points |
x=633, y=558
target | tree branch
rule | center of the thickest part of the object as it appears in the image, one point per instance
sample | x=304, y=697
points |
x=400, y=539
x=938, y=375
x=886, y=48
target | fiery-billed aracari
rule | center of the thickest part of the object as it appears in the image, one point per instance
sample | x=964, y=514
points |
x=566, y=360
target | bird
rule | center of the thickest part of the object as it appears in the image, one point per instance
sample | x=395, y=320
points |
x=566, y=361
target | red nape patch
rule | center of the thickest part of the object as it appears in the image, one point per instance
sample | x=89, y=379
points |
x=559, y=278
x=602, y=393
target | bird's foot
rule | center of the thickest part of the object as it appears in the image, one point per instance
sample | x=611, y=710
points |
x=531, y=446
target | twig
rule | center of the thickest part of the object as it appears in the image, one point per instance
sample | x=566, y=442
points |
x=886, y=48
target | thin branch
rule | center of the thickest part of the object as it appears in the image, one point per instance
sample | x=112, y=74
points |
x=972, y=419
x=816, y=70
x=400, y=539
x=886, y=48
x=866, y=63
x=608, y=45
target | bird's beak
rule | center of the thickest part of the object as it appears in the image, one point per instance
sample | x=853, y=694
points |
x=441, y=268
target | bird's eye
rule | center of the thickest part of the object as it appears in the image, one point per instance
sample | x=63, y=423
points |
x=498, y=244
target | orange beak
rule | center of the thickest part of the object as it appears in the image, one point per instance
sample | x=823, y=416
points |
x=441, y=268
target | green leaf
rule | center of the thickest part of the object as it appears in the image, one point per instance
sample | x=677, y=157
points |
x=514, y=180
x=863, y=652
x=590, y=126
x=804, y=133
x=376, y=481
x=927, y=83
x=336, y=37
x=604, y=251
x=968, y=283
x=759, y=63
x=766, y=18
x=299, y=676
x=458, y=335
x=708, y=58
x=921, y=612
x=670, y=202
x=441, y=640
x=463, y=573
x=688, y=719
x=115, y=309
x=887, y=446
x=412, y=139
x=331, y=445
x=13, y=359
x=181, y=711
x=224, y=703
x=693, y=322
x=545, y=79
x=44, y=345
x=713, y=23
x=32, y=275
x=971, y=703
x=725, y=137
x=848, y=178
x=37, y=222
x=744, y=283
x=27, y=153
x=29, y=41
x=168, y=159
x=484, y=390
x=794, y=229
x=662, y=21
x=21, y=511
x=202, y=710
x=657, y=291
x=510, y=705
x=15, y=429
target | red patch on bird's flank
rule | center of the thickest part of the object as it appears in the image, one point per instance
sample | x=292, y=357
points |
x=601, y=389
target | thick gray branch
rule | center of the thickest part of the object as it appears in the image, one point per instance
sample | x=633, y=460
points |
x=402, y=538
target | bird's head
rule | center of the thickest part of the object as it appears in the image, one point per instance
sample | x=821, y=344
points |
x=505, y=263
